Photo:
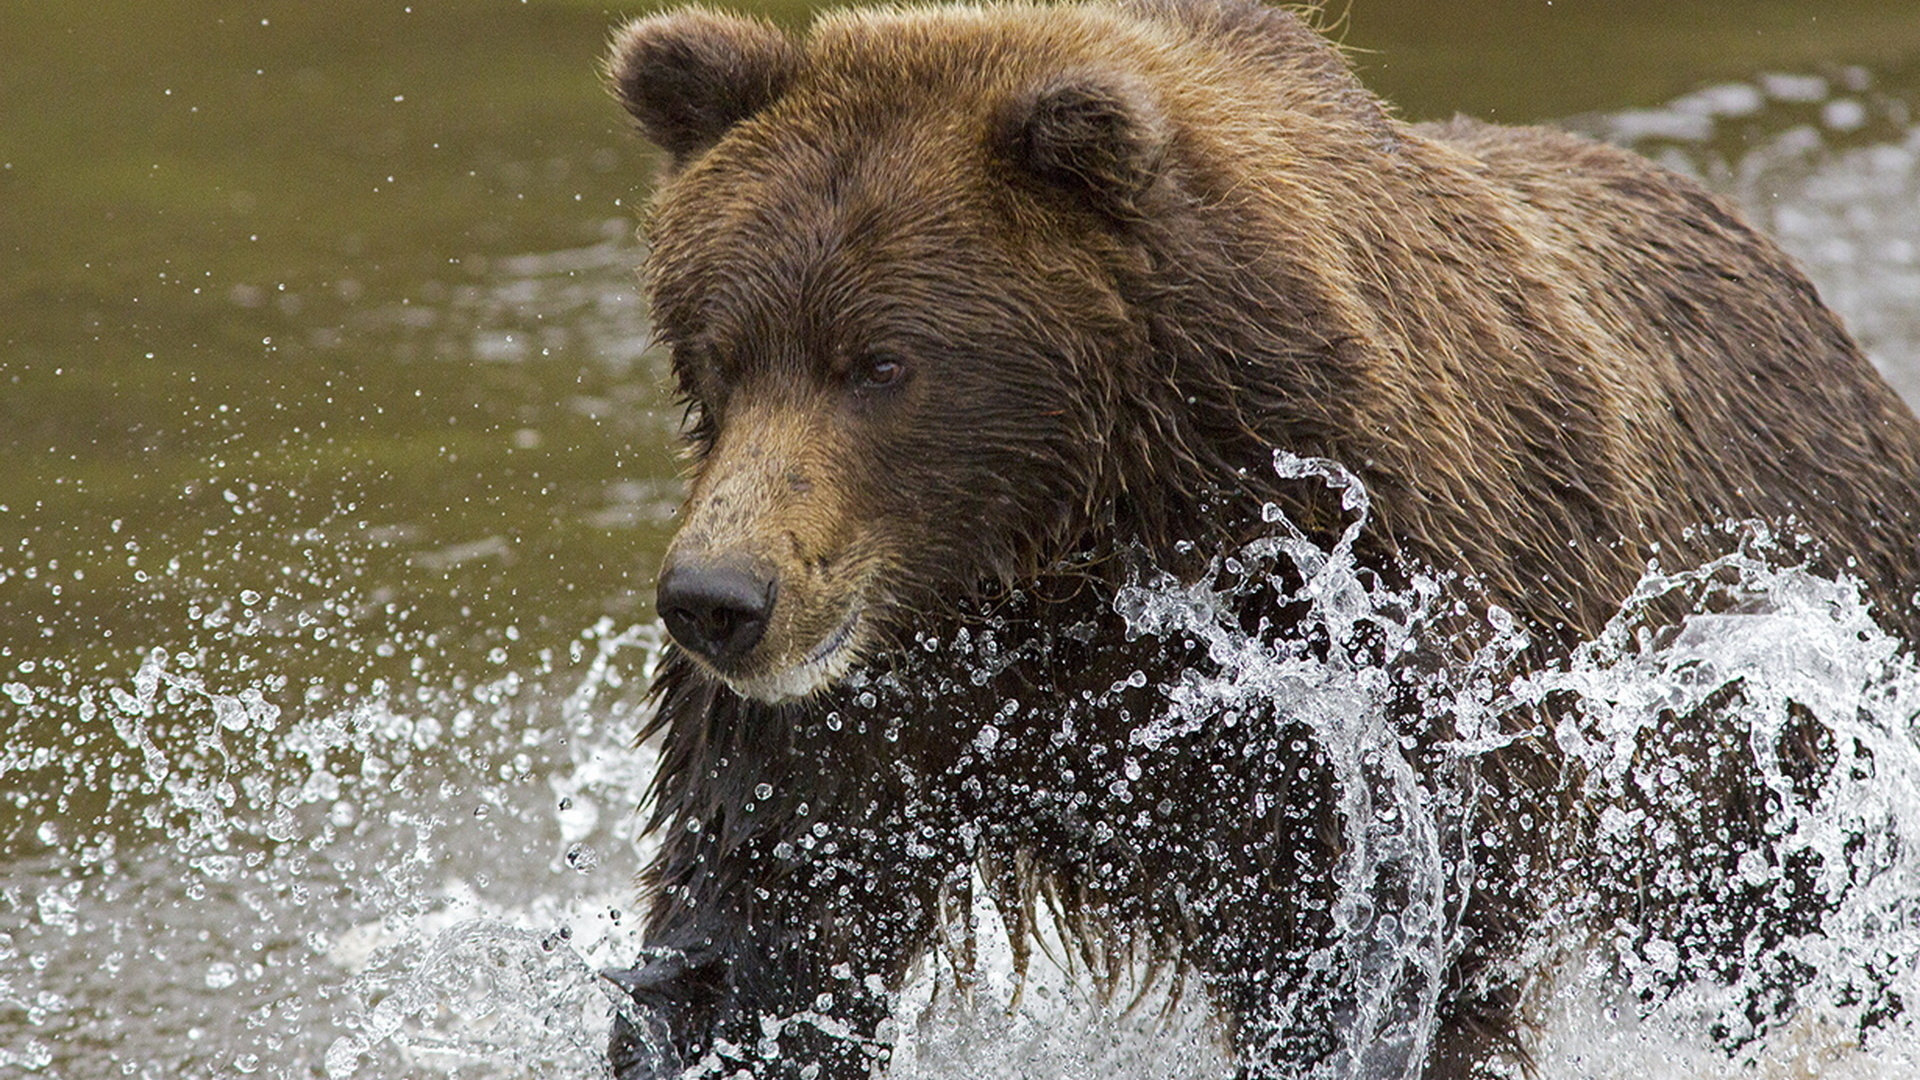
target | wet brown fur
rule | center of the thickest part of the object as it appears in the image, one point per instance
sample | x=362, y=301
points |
x=1125, y=253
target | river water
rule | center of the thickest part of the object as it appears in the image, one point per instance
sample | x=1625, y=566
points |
x=336, y=462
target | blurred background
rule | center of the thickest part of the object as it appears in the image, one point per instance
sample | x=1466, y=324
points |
x=334, y=466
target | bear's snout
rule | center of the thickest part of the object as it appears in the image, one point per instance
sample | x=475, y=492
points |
x=769, y=584
x=718, y=610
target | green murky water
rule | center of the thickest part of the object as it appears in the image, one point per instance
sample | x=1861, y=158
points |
x=324, y=381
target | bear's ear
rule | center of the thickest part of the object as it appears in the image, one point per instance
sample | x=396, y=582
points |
x=687, y=76
x=1098, y=136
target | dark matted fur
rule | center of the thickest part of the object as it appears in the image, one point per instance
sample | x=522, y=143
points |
x=977, y=308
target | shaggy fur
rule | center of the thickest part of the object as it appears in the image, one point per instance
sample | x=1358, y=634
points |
x=978, y=311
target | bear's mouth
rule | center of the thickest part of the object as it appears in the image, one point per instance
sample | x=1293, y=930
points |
x=835, y=641
x=823, y=666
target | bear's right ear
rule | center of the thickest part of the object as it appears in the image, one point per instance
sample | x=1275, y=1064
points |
x=687, y=76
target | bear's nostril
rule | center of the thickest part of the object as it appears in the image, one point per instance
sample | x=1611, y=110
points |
x=717, y=610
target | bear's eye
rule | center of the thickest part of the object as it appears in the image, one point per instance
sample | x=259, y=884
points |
x=876, y=371
x=697, y=425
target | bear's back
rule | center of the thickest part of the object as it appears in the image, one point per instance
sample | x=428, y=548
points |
x=1757, y=403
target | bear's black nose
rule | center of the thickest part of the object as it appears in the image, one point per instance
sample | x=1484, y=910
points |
x=718, y=610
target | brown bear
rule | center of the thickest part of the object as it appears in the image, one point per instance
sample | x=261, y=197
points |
x=984, y=316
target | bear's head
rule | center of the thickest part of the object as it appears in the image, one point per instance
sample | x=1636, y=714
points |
x=901, y=267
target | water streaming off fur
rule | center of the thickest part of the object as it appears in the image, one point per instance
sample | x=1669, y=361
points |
x=384, y=879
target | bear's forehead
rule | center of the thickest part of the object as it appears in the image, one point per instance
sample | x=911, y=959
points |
x=806, y=193
x=867, y=190
x=803, y=237
x=898, y=108
x=969, y=50
x=919, y=74
x=796, y=195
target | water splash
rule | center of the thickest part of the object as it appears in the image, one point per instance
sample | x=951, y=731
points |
x=1801, y=657
x=1394, y=918
x=1807, y=660
x=374, y=882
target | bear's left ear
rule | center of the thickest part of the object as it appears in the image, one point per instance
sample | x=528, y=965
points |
x=1098, y=136
x=688, y=76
